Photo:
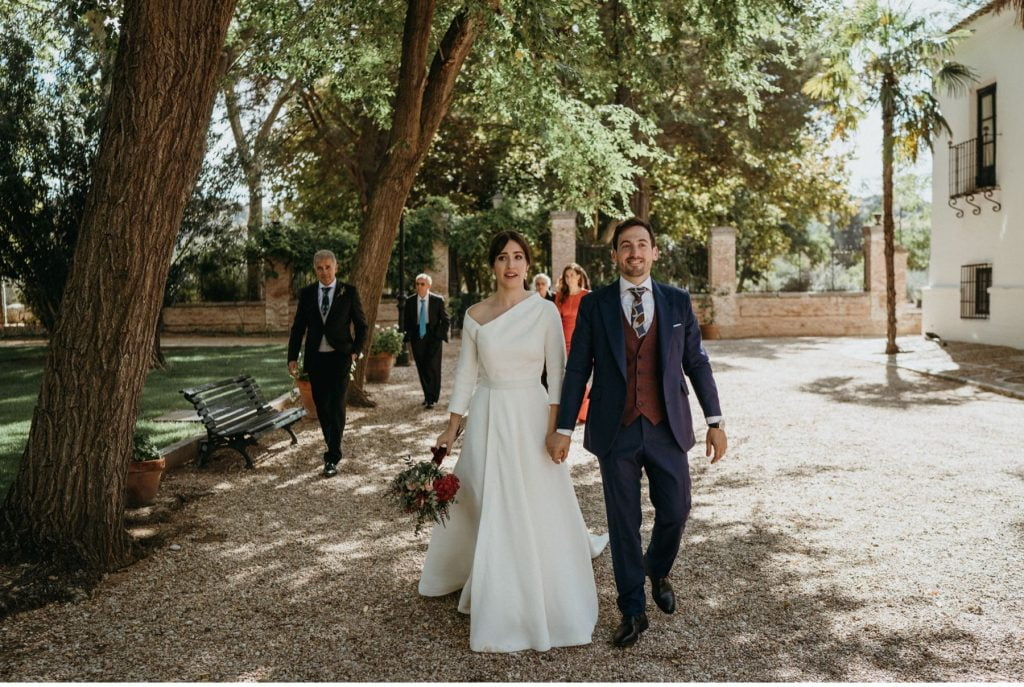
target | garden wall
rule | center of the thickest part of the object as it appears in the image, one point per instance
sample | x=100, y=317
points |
x=742, y=315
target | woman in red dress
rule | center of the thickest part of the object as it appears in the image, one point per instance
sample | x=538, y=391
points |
x=573, y=285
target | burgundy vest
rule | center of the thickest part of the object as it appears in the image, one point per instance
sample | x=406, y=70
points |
x=643, y=378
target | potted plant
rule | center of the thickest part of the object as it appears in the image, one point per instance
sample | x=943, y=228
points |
x=305, y=390
x=145, y=469
x=708, y=329
x=386, y=344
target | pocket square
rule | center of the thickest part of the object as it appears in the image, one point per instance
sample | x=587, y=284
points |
x=677, y=324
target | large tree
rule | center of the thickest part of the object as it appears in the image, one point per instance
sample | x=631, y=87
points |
x=67, y=501
x=888, y=58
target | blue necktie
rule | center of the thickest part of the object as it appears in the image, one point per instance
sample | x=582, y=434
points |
x=423, y=318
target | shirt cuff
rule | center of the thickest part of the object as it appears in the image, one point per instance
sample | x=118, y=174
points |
x=713, y=418
x=565, y=432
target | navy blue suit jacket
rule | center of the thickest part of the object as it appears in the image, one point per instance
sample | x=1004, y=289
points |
x=599, y=345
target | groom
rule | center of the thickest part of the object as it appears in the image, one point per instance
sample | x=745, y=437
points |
x=638, y=336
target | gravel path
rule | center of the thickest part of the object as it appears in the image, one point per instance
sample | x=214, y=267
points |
x=865, y=526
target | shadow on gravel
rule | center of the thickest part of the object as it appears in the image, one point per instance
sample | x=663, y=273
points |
x=896, y=392
x=762, y=349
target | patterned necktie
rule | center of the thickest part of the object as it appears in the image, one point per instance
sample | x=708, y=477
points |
x=325, y=303
x=423, y=318
x=637, y=317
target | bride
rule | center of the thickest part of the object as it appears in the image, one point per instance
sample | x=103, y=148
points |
x=515, y=544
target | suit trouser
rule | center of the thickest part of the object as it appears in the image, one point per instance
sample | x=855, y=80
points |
x=328, y=377
x=427, y=354
x=652, y=449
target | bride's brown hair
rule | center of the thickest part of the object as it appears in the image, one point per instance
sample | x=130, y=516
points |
x=502, y=238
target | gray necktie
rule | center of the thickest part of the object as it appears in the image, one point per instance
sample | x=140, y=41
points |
x=325, y=303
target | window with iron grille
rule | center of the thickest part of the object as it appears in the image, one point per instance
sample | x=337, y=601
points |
x=986, y=136
x=972, y=163
x=975, y=281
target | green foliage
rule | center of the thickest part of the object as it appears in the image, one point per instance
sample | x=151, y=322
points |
x=295, y=243
x=143, y=449
x=912, y=216
x=424, y=226
x=386, y=340
x=52, y=84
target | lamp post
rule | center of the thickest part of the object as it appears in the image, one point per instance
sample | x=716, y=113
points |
x=402, y=360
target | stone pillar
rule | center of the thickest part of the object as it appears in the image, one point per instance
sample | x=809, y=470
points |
x=563, y=242
x=724, y=310
x=874, y=269
x=439, y=273
x=722, y=260
x=277, y=289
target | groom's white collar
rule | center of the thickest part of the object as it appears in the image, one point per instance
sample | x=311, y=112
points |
x=625, y=285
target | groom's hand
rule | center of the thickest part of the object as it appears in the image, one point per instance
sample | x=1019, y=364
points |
x=558, y=446
x=717, y=443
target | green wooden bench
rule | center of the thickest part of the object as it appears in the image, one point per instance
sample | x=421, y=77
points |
x=236, y=415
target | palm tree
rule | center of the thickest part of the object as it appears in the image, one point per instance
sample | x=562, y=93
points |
x=883, y=57
x=1016, y=5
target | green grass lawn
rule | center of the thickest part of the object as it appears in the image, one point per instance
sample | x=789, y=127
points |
x=21, y=368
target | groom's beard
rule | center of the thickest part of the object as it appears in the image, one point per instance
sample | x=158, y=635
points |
x=637, y=270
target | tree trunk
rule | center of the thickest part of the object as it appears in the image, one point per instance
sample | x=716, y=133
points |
x=422, y=99
x=888, y=228
x=254, y=265
x=157, y=361
x=67, y=501
x=640, y=201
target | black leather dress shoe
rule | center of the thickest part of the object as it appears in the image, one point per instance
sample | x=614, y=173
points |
x=330, y=469
x=629, y=630
x=664, y=597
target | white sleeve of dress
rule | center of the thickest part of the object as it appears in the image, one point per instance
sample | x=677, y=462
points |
x=554, y=355
x=466, y=370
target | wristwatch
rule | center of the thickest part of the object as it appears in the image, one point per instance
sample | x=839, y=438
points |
x=717, y=425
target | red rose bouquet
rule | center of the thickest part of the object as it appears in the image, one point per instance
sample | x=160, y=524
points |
x=425, y=489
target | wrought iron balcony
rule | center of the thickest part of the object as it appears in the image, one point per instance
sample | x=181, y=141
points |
x=972, y=171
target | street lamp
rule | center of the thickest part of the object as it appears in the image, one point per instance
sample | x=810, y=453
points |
x=402, y=360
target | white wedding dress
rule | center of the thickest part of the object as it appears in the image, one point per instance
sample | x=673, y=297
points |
x=516, y=544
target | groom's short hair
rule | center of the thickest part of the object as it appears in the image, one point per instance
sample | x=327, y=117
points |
x=627, y=224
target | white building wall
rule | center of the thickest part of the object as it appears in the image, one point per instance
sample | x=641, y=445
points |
x=996, y=53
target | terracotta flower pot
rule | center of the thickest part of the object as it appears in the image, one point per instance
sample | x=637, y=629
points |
x=306, y=395
x=144, y=481
x=378, y=367
x=710, y=331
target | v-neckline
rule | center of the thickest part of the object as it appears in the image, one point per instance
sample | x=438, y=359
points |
x=498, y=317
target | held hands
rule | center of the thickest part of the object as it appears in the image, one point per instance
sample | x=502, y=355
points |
x=717, y=442
x=558, y=446
x=293, y=367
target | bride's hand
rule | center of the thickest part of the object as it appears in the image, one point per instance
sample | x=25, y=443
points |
x=447, y=438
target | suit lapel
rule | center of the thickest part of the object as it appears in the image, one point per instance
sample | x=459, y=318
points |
x=611, y=309
x=339, y=291
x=662, y=312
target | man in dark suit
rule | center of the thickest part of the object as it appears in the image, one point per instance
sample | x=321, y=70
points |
x=331, y=318
x=426, y=327
x=638, y=336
